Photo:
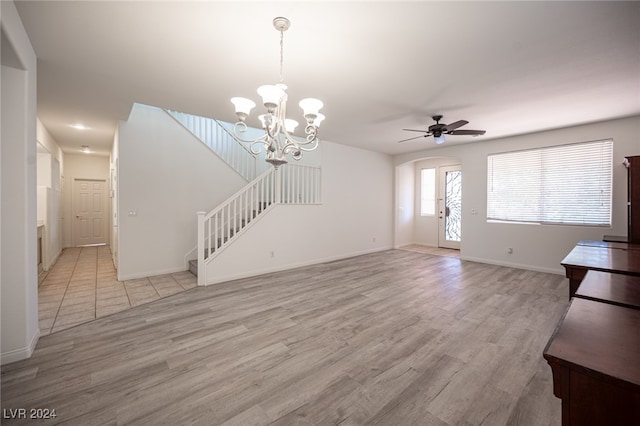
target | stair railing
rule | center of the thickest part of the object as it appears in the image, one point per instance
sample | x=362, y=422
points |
x=222, y=142
x=290, y=184
x=220, y=226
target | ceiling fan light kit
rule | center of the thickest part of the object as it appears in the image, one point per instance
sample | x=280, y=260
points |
x=439, y=130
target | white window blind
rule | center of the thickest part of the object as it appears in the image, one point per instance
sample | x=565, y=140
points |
x=428, y=192
x=567, y=184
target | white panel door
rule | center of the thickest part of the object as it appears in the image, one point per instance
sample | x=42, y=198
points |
x=450, y=207
x=89, y=212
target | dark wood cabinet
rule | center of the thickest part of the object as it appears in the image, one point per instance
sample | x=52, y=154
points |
x=594, y=359
x=618, y=258
x=633, y=197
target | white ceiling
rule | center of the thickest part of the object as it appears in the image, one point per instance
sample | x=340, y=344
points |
x=506, y=67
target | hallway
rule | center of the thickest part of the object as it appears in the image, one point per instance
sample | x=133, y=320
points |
x=82, y=286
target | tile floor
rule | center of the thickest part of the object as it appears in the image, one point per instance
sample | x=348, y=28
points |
x=82, y=286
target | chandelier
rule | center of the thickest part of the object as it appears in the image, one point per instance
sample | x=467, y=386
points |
x=278, y=140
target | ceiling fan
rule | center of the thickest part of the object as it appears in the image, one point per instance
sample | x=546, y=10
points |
x=438, y=130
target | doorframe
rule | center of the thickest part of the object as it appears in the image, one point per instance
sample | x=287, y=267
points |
x=107, y=206
x=409, y=226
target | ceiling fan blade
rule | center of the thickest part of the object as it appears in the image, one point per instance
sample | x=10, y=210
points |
x=457, y=124
x=410, y=139
x=413, y=130
x=467, y=132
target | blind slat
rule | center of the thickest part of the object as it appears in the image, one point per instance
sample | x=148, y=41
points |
x=566, y=184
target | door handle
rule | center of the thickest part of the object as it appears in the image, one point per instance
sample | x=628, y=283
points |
x=78, y=216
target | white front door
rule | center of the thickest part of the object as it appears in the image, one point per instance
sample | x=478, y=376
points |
x=450, y=207
x=89, y=212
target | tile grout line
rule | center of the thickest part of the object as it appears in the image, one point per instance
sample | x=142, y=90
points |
x=75, y=265
x=124, y=285
x=154, y=288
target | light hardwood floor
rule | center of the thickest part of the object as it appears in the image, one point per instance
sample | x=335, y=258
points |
x=390, y=338
x=438, y=251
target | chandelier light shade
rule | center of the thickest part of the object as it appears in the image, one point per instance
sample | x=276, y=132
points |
x=278, y=140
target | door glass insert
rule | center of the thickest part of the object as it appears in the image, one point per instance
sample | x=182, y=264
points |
x=453, y=205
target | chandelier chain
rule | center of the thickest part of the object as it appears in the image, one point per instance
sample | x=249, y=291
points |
x=281, y=53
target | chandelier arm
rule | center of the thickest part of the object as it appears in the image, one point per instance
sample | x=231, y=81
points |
x=242, y=127
x=312, y=133
x=293, y=145
x=259, y=145
x=314, y=143
x=304, y=146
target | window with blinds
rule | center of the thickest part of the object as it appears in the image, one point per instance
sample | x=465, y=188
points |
x=567, y=185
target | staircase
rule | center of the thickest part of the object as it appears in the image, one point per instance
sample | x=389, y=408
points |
x=289, y=184
x=266, y=187
x=221, y=141
x=222, y=240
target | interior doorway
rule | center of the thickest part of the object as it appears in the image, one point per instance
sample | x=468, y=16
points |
x=450, y=207
x=89, y=212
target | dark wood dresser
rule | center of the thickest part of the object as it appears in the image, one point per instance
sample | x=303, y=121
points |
x=619, y=258
x=594, y=355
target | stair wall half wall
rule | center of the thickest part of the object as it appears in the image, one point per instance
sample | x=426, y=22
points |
x=165, y=176
x=354, y=218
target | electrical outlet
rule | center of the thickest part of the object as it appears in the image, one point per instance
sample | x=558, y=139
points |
x=509, y=250
x=273, y=254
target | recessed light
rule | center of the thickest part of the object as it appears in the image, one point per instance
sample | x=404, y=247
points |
x=79, y=126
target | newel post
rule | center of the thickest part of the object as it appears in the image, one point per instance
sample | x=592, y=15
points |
x=201, y=237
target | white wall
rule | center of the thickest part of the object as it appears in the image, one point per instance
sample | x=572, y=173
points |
x=113, y=164
x=354, y=218
x=18, y=249
x=49, y=175
x=165, y=175
x=80, y=166
x=405, y=204
x=538, y=247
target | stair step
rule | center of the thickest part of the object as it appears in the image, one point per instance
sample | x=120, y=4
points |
x=193, y=267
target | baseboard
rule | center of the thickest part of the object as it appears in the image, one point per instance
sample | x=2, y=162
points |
x=21, y=353
x=150, y=273
x=53, y=261
x=557, y=271
x=415, y=244
x=232, y=277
